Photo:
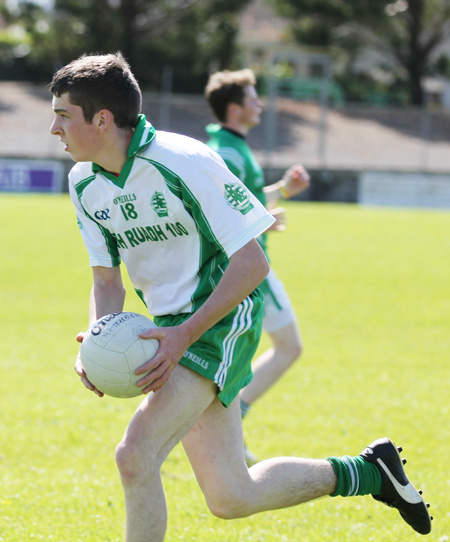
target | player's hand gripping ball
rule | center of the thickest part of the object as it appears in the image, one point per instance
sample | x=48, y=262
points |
x=112, y=350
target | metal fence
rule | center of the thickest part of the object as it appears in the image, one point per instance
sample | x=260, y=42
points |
x=324, y=136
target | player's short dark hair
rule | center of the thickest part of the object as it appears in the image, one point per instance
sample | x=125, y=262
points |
x=96, y=82
x=227, y=87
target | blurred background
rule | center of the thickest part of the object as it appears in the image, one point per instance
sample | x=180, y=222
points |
x=359, y=92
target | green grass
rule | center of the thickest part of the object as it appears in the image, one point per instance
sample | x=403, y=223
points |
x=372, y=292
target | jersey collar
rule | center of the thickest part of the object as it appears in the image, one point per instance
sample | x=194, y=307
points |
x=143, y=134
x=234, y=132
x=213, y=129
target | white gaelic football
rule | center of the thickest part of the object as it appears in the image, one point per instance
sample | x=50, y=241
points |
x=112, y=350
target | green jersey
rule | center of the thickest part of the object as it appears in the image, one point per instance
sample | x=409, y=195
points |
x=236, y=153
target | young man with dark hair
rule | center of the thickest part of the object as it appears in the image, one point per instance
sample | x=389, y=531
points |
x=198, y=274
x=235, y=103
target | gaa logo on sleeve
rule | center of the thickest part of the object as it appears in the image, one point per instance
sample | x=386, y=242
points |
x=236, y=196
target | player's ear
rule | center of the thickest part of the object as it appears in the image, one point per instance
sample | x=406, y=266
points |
x=103, y=118
x=233, y=110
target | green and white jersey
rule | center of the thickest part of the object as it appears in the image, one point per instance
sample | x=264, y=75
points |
x=239, y=158
x=174, y=216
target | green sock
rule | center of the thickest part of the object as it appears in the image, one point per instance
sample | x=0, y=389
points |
x=245, y=408
x=355, y=476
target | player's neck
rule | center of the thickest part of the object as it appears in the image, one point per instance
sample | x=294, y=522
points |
x=114, y=152
x=237, y=127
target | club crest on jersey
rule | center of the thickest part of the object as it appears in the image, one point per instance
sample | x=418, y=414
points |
x=159, y=204
x=236, y=196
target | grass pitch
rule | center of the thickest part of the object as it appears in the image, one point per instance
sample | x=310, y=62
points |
x=372, y=292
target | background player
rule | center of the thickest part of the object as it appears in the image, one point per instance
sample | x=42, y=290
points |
x=235, y=103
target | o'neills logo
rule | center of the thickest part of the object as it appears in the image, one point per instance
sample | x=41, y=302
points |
x=236, y=196
x=119, y=317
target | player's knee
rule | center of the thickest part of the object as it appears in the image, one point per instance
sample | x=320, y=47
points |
x=132, y=462
x=227, y=506
x=291, y=350
x=127, y=460
x=287, y=345
x=297, y=350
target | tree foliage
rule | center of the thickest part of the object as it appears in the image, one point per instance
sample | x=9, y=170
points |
x=191, y=36
x=408, y=33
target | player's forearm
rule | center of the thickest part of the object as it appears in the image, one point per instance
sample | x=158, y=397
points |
x=107, y=294
x=247, y=269
x=104, y=302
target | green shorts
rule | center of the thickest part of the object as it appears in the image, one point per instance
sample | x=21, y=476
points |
x=224, y=353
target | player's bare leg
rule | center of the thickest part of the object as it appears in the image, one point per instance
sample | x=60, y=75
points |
x=271, y=364
x=216, y=452
x=159, y=423
x=214, y=447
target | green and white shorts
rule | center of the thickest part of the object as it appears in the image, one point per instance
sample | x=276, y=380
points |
x=278, y=310
x=224, y=353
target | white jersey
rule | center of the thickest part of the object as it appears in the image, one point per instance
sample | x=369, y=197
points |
x=174, y=216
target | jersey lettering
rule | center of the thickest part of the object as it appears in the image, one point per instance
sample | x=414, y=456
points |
x=142, y=234
x=124, y=199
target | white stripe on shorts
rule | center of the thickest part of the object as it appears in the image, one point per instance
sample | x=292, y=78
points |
x=242, y=322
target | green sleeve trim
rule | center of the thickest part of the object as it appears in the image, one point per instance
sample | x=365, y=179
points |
x=111, y=243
